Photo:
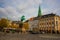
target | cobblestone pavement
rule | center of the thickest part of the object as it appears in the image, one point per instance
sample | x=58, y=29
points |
x=16, y=36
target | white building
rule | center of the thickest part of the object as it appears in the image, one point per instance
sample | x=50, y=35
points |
x=33, y=23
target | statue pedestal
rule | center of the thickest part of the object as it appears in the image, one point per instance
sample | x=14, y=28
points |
x=23, y=30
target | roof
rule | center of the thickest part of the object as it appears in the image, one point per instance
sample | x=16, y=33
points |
x=45, y=16
x=48, y=15
x=17, y=22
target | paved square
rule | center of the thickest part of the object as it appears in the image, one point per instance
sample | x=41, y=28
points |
x=16, y=36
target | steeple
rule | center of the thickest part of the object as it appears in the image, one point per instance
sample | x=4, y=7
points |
x=39, y=11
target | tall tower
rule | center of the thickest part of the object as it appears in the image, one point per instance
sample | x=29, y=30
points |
x=39, y=12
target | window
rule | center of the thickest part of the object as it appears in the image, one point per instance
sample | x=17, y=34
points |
x=52, y=22
x=52, y=18
x=47, y=23
x=56, y=23
x=56, y=18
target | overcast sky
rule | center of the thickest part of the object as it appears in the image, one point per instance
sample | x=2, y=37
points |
x=14, y=9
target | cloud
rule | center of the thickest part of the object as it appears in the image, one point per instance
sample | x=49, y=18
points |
x=48, y=11
x=50, y=6
x=34, y=2
x=9, y=12
x=3, y=12
x=14, y=9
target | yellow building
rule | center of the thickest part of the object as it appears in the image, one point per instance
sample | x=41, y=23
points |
x=49, y=23
x=26, y=26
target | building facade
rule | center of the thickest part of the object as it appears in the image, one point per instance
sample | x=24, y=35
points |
x=33, y=23
x=49, y=23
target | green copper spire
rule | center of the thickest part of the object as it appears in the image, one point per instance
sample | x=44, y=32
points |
x=39, y=12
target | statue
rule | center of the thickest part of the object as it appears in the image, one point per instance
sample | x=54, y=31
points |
x=22, y=18
x=21, y=24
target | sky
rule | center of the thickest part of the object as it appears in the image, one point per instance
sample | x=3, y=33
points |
x=14, y=9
